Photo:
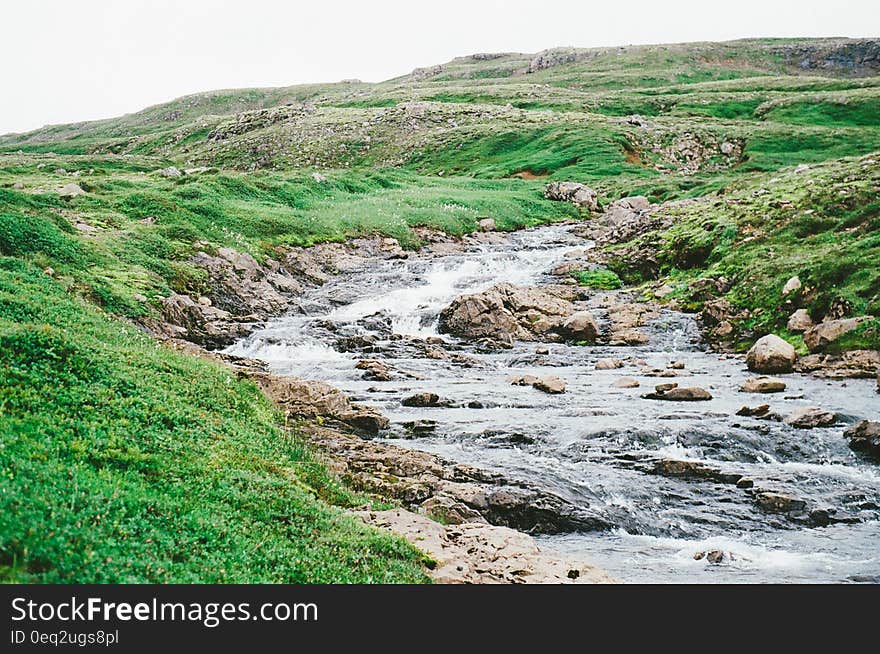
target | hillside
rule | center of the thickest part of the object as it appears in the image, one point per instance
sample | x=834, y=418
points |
x=127, y=461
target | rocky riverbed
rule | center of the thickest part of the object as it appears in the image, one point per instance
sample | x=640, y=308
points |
x=626, y=442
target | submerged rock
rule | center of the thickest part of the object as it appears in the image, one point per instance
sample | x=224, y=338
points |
x=423, y=400
x=771, y=354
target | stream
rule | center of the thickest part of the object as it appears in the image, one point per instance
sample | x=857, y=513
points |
x=596, y=445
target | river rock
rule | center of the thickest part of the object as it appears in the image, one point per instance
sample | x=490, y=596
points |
x=820, y=336
x=754, y=412
x=578, y=194
x=608, y=364
x=550, y=384
x=763, y=384
x=810, y=417
x=580, y=326
x=486, y=224
x=852, y=364
x=673, y=393
x=374, y=370
x=865, y=437
x=771, y=354
x=505, y=312
x=779, y=502
x=799, y=321
x=422, y=400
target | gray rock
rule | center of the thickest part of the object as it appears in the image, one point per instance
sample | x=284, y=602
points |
x=799, y=321
x=825, y=333
x=578, y=194
x=771, y=354
x=810, y=417
x=71, y=191
x=580, y=326
x=865, y=437
x=171, y=171
x=763, y=385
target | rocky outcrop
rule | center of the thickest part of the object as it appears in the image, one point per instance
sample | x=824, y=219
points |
x=771, y=354
x=301, y=398
x=851, y=364
x=578, y=194
x=475, y=553
x=864, y=437
x=198, y=322
x=506, y=312
x=625, y=210
x=820, y=336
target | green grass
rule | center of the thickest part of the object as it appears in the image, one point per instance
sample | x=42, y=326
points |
x=124, y=461
x=600, y=279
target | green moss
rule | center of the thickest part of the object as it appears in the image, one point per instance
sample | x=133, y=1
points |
x=600, y=278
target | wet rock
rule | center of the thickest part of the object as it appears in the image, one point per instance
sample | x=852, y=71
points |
x=694, y=394
x=422, y=400
x=865, y=437
x=771, y=354
x=756, y=412
x=608, y=364
x=693, y=470
x=715, y=556
x=779, y=502
x=504, y=312
x=626, y=382
x=578, y=194
x=486, y=225
x=552, y=384
x=676, y=365
x=542, y=349
x=628, y=337
x=799, y=321
x=810, y=417
x=662, y=388
x=419, y=427
x=565, y=268
x=374, y=370
x=522, y=380
x=580, y=326
x=763, y=384
x=820, y=336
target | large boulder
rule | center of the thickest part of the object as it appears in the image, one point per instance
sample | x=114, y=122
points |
x=578, y=194
x=771, y=354
x=821, y=335
x=70, y=191
x=505, y=312
x=865, y=437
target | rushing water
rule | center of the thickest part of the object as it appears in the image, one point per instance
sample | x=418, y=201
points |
x=596, y=444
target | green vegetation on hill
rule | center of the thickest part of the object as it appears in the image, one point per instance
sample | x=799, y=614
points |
x=126, y=461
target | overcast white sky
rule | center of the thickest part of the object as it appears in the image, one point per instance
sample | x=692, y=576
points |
x=71, y=60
